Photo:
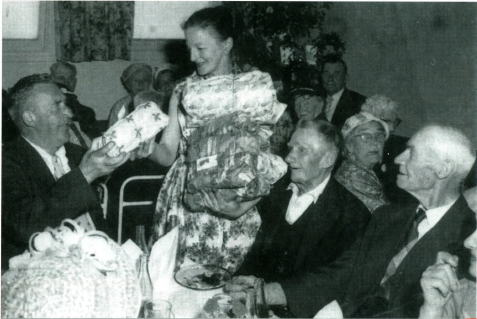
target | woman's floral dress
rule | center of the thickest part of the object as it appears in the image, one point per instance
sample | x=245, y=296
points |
x=203, y=237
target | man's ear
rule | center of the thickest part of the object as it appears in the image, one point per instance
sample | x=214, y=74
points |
x=329, y=159
x=228, y=44
x=28, y=118
x=445, y=169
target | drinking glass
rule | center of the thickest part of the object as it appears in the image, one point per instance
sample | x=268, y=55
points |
x=158, y=309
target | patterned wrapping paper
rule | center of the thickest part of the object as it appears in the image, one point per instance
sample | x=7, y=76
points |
x=231, y=154
x=250, y=93
x=142, y=124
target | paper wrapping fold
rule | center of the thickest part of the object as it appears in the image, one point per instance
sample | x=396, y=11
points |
x=250, y=93
x=142, y=124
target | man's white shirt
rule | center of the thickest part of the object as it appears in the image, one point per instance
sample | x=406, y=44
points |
x=298, y=204
x=48, y=158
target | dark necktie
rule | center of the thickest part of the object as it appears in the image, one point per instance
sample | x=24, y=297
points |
x=411, y=240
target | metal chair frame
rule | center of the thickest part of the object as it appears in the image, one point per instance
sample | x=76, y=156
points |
x=123, y=203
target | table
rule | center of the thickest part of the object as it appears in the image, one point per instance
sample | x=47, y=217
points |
x=186, y=303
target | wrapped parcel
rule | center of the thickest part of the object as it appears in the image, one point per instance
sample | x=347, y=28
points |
x=142, y=124
x=229, y=152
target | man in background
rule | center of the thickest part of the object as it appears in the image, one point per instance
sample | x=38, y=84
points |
x=84, y=117
x=340, y=102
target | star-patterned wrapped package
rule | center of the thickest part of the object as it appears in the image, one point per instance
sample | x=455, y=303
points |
x=141, y=125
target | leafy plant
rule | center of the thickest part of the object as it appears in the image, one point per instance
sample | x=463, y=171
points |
x=284, y=38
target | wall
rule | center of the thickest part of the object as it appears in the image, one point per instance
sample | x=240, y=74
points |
x=99, y=84
x=422, y=55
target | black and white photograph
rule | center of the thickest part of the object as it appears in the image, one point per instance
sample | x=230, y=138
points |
x=239, y=159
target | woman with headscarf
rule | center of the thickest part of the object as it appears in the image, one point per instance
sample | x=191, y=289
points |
x=136, y=78
x=386, y=110
x=364, y=136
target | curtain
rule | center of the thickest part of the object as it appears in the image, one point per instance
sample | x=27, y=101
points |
x=93, y=30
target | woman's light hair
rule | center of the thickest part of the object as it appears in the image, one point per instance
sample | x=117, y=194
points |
x=380, y=104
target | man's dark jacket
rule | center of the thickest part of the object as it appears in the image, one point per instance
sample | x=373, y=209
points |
x=32, y=199
x=320, y=235
x=354, y=278
x=348, y=105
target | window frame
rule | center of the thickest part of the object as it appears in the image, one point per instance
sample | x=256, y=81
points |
x=33, y=50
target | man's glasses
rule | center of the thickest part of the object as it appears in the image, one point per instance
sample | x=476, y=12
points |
x=368, y=137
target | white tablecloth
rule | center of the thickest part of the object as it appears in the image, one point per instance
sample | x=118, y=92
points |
x=186, y=303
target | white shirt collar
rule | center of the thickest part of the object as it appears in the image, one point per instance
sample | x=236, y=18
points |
x=48, y=158
x=298, y=204
x=315, y=192
x=433, y=216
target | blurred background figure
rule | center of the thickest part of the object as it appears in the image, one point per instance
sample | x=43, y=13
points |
x=135, y=78
x=307, y=103
x=364, y=136
x=165, y=78
x=84, y=126
x=340, y=102
x=387, y=111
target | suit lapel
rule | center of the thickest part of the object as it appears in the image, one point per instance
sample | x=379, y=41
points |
x=382, y=241
x=444, y=233
x=273, y=223
x=344, y=100
x=34, y=163
x=318, y=219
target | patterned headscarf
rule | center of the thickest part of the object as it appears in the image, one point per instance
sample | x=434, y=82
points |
x=359, y=119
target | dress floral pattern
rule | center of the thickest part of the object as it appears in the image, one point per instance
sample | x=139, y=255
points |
x=203, y=237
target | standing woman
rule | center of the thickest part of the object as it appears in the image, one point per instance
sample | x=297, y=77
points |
x=224, y=233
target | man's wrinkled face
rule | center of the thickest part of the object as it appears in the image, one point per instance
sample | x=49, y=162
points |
x=417, y=164
x=52, y=116
x=305, y=158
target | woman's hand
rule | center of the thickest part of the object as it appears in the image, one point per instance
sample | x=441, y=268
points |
x=143, y=150
x=232, y=207
x=438, y=283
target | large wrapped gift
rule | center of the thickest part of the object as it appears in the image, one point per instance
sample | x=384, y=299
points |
x=69, y=272
x=142, y=124
x=231, y=155
x=251, y=93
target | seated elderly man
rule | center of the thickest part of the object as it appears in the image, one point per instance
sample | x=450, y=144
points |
x=45, y=179
x=379, y=275
x=309, y=218
x=386, y=110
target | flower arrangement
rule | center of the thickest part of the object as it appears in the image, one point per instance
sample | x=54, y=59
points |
x=284, y=39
